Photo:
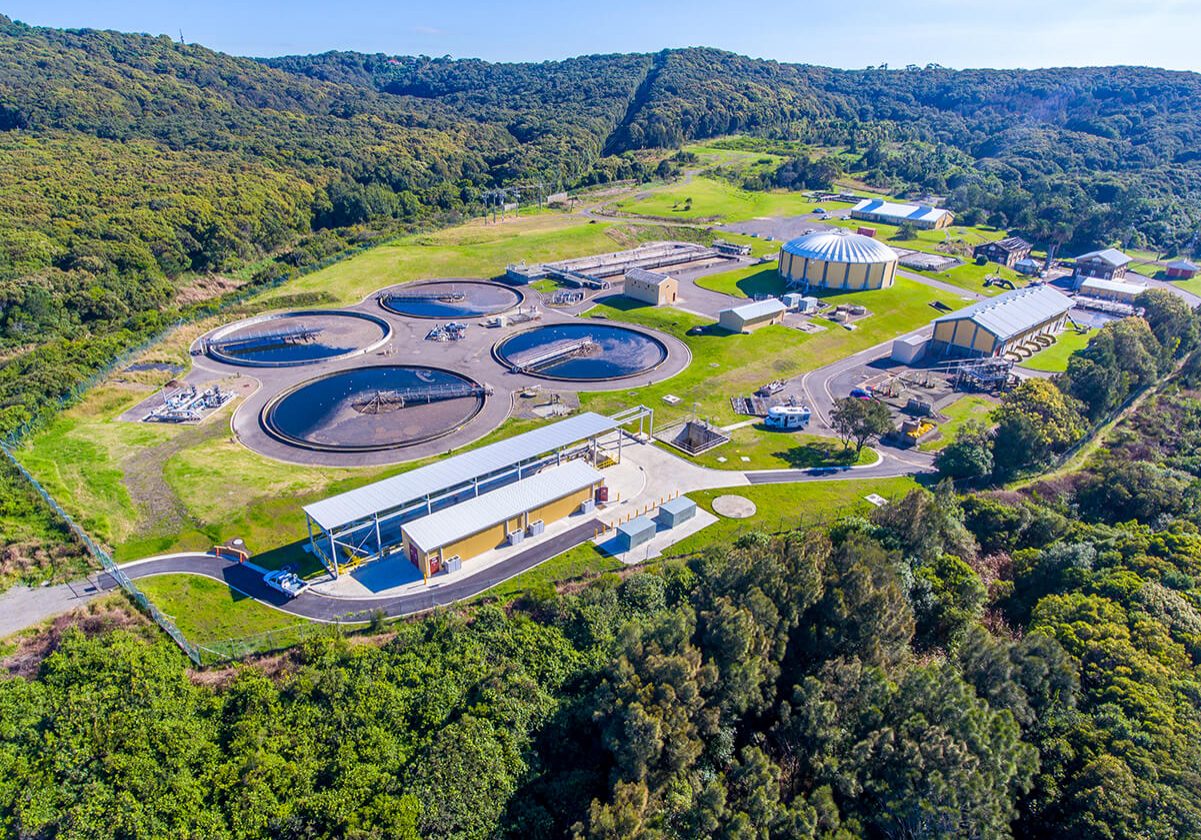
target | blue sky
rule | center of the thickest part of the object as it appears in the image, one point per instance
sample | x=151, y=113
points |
x=840, y=33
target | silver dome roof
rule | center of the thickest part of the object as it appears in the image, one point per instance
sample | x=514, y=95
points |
x=840, y=246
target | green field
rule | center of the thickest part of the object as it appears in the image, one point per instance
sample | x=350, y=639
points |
x=713, y=200
x=746, y=282
x=957, y=413
x=727, y=365
x=765, y=449
x=781, y=507
x=207, y=610
x=1055, y=358
x=970, y=277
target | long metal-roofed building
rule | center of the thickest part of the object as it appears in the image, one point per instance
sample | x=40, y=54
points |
x=491, y=519
x=837, y=259
x=893, y=213
x=365, y=523
x=996, y=326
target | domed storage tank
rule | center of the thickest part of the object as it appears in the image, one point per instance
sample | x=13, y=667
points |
x=838, y=259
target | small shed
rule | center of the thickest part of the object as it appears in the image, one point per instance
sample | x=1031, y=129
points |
x=1028, y=266
x=750, y=316
x=1182, y=270
x=909, y=349
x=676, y=511
x=638, y=531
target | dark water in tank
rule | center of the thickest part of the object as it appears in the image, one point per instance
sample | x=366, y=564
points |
x=357, y=409
x=621, y=351
x=262, y=343
x=479, y=299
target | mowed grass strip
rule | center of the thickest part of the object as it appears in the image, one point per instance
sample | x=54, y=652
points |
x=765, y=449
x=1055, y=358
x=713, y=199
x=971, y=407
x=207, y=610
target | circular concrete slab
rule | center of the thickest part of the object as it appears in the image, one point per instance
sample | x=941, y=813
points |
x=734, y=507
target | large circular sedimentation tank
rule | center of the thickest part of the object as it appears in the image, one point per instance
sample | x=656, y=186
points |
x=587, y=351
x=372, y=408
x=838, y=259
x=289, y=339
x=450, y=299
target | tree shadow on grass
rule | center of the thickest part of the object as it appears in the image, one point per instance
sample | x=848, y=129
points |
x=765, y=282
x=810, y=455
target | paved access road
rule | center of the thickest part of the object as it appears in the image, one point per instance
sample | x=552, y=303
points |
x=317, y=607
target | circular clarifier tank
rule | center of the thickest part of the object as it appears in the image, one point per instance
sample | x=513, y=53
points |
x=373, y=408
x=289, y=339
x=450, y=299
x=585, y=352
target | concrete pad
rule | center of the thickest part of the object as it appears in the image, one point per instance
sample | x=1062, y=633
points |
x=664, y=539
x=734, y=507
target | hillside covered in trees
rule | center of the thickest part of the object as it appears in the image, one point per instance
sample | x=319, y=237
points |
x=131, y=165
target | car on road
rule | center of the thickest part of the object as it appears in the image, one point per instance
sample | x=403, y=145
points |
x=286, y=581
x=860, y=394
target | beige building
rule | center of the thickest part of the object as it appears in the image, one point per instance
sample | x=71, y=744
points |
x=837, y=259
x=751, y=316
x=993, y=327
x=651, y=287
x=491, y=520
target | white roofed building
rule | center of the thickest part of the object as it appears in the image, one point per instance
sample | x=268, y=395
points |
x=994, y=327
x=750, y=316
x=892, y=213
x=1116, y=290
x=504, y=515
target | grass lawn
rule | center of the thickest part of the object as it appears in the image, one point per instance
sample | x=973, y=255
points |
x=711, y=200
x=781, y=507
x=771, y=450
x=1055, y=357
x=725, y=365
x=970, y=276
x=747, y=281
x=957, y=413
x=472, y=250
x=207, y=610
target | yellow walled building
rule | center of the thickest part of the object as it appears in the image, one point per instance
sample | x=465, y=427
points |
x=838, y=259
x=485, y=522
x=993, y=327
